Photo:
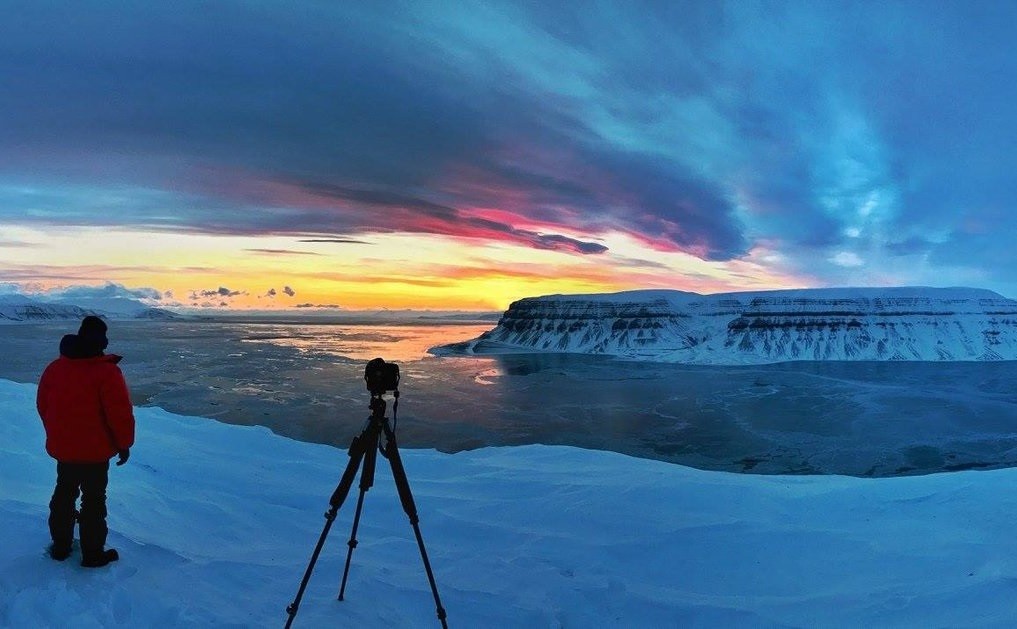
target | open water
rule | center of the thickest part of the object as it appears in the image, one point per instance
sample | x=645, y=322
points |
x=305, y=381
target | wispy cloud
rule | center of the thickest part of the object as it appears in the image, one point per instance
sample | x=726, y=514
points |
x=84, y=274
x=344, y=241
x=272, y=292
x=283, y=252
x=16, y=244
x=324, y=306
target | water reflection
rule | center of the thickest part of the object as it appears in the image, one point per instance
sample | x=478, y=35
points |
x=527, y=364
x=358, y=342
x=306, y=382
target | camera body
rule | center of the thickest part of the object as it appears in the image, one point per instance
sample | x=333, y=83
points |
x=381, y=376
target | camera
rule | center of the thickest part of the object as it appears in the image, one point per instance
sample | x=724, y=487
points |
x=381, y=376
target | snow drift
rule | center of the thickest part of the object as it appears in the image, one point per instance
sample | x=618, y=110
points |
x=215, y=524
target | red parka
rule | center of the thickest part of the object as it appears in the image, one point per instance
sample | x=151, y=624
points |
x=86, y=409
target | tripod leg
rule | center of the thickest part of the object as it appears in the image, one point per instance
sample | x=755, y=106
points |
x=291, y=610
x=366, y=481
x=356, y=453
x=391, y=452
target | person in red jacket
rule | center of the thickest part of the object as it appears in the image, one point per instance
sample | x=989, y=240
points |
x=86, y=409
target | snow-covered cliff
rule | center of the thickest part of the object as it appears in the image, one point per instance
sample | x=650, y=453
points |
x=908, y=323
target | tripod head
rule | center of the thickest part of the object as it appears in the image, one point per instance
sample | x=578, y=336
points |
x=382, y=377
x=378, y=406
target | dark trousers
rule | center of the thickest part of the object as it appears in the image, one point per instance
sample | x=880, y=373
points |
x=90, y=479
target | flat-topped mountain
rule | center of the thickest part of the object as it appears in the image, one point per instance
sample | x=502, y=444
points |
x=903, y=323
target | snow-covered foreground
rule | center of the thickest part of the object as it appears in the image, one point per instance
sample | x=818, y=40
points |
x=215, y=525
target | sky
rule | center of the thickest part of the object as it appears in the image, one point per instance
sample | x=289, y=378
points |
x=618, y=541
x=462, y=155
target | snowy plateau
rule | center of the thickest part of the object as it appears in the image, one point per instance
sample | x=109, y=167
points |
x=876, y=324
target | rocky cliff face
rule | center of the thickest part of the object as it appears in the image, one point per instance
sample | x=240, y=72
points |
x=762, y=327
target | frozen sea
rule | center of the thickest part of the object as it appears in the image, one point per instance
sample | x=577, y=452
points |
x=305, y=380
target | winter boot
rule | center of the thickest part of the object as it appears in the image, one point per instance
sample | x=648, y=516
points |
x=99, y=559
x=59, y=552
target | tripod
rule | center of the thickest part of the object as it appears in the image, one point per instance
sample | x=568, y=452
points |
x=365, y=448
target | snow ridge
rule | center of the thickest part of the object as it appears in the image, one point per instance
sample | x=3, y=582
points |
x=904, y=323
x=23, y=310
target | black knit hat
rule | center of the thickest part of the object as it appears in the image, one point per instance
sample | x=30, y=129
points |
x=93, y=330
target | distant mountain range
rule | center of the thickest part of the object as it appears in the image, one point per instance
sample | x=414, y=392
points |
x=905, y=323
x=16, y=308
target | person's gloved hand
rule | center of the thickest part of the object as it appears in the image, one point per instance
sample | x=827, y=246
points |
x=124, y=455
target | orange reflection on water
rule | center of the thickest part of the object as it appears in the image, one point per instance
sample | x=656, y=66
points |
x=364, y=341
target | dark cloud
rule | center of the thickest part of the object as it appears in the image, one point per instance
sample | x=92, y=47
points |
x=289, y=291
x=184, y=83
x=387, y=211
x=218, y=292
x=558, y=243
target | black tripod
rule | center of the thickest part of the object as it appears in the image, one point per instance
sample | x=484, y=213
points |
x=365, y=447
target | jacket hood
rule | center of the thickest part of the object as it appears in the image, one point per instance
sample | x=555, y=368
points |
x=77, y=347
